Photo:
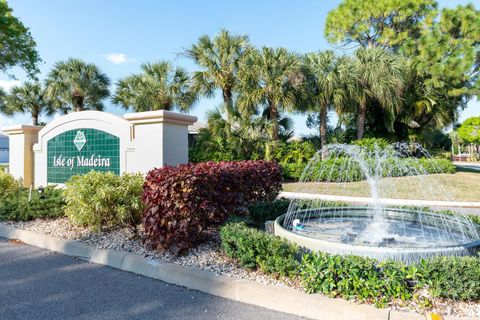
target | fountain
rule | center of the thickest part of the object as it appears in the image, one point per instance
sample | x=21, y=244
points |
x=382, y=227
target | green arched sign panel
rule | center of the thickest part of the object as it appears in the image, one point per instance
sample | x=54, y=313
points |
x=79, y=151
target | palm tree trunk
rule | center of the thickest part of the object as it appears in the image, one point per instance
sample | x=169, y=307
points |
x=362, y=112
x=227, y=101
x=78, y=101
x=35, y=119
x=323, y=130
x=274, y=120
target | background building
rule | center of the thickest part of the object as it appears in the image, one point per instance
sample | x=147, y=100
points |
x=3, y=149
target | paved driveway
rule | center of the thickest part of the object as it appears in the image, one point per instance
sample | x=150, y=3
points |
x=39, y=284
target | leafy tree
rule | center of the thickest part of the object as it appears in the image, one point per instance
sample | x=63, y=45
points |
x=329, y=79
x=220, y=59
x=378, y=77
x=240, y=136
x=160, y=86
x=28, y=98
x=445, y=67
x=17, y=46
x=469, y=131
x=442, y=48
x=266, y=79
x=385, y=23
x=75, y=85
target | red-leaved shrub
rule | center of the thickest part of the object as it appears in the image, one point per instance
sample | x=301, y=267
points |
x=183, y=201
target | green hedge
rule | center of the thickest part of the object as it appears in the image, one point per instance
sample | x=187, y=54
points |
x=352, y=277
x=104, y=200
x=254, y=248
x=452, y=277
x=356, y=277
x=331, y=169
x=263, y=211
x=17, y=206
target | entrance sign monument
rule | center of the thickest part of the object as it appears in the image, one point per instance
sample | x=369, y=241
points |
x=79, y=142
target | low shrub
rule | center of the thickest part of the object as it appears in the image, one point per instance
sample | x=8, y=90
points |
x=371, y=144
x=7, y=183
x=181, y=202
x=254, y=248
x=104, y=200
x=292, y=171
x=294, y=152
x=18, y=207
x=452, y=277
x=263, y=211
x=333, y=169
x=355, y=277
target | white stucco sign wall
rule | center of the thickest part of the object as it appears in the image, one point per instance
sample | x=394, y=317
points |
x=91, y=140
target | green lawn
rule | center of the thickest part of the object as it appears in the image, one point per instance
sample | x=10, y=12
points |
x=461, y=186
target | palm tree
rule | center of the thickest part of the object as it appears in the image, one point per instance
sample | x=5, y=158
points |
x=220, y=59
x=243, y=135
x=28, y=98
x=76, y=86
x=160, y=86
x=266, y=79
x=378, y=78
x=329, y=81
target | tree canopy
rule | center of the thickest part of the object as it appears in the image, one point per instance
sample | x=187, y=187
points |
x=219, y=59
x=17, y=46
x=266, y=78
x=28, y=98
x=75, y=85
x=469, y=131
x=442, y=49
x=160, y=86
x=378, y=22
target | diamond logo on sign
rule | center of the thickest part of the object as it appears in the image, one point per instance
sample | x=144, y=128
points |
x=80, y=141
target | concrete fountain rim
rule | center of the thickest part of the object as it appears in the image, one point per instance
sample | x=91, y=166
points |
x=381, y=253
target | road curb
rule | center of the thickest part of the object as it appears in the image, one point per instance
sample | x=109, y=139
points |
x=281, y=299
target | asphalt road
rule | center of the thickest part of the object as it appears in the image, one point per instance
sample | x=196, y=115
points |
x=39, y=284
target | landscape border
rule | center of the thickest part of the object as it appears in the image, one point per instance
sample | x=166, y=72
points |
x=282, y=299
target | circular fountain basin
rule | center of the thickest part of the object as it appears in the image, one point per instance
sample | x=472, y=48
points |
x=412, y=235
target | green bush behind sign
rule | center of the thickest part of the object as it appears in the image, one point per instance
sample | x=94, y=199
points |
x=80, y=151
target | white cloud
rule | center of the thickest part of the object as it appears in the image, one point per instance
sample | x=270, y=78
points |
x=118, y=58
x=9, y=84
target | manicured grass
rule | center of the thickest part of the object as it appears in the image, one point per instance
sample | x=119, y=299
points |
x=461, y=186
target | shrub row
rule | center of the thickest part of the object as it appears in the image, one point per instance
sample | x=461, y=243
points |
x=21, y=205
x=334, y=169
x=181, y=202
x=104, y=200
x=351, y=277
x=263, y=211
x=254, y=248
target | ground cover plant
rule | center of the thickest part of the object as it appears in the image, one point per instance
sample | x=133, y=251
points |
x=104, y=200
x=352, y=277
x=182, y=202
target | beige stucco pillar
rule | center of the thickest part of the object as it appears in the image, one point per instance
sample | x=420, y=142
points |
x=160, y=139
x=21, y=161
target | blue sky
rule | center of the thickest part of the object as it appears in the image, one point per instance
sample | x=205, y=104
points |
x=119, y=35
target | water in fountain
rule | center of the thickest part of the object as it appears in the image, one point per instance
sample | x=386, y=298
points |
x=347, y=170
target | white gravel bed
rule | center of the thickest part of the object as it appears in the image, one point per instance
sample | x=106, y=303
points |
x=208, y=256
